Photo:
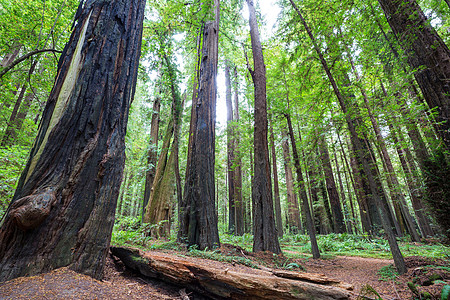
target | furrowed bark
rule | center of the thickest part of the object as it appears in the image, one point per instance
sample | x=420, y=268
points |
x=62, y=213
x=264, y=228
x=200, y=219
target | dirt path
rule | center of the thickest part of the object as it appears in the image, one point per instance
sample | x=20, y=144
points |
x=122, y=284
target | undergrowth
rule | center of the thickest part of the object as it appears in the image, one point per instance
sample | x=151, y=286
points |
x=129, y=232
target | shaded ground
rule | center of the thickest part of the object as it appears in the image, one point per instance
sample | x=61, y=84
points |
x=122, y=284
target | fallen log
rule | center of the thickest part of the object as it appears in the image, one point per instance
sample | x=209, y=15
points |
x=219, y=280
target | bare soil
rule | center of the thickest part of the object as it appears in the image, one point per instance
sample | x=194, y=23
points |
x=119, y=283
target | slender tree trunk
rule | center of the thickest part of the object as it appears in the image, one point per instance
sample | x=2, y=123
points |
x=199, y=193
x=427, y=53
x=264, y=228
x=152, y=153
x=335, y=202
x=294, y=221
x=341, y=187
x=237, y=171
x=62, y=213
x=303, y=196
x=414, y=189
x=230, y=153
x=276, y=188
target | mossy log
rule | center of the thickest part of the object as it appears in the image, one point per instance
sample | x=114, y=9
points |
x=219, y=280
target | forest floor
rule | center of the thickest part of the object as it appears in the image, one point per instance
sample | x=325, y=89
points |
x=120, y=283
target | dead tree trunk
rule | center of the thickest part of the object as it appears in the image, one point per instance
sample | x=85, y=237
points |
x=224, y=281
x=62, y=213
x=264, y=228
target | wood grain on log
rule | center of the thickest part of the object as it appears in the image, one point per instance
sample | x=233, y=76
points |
x=220, y=280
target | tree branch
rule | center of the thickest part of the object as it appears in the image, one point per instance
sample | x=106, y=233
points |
x=25, y=57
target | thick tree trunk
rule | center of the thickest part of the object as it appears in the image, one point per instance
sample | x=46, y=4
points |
x=152, y=153
x=305, y=203
x=427, y=53
x=264, y=228
x=62, y=213
x=335, y=202
x=294, y=221
x=200, y=221
x=276, y=188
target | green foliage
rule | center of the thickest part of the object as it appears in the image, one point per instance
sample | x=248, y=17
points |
x=368, y=292
x=445, y=293
x=13, y=160
x=357, y=245
x=216, y=255
x=387, y=273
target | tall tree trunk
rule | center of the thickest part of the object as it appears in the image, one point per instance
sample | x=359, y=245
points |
x=427, y=53
x=230, y=153
x=183, y=204
x=199, y=193
x=341, y=187
x=335, y=202
x=303, y=196
x=152, y=153
x=237, y=171
x=294, y=221
x=62, y=213
x=276, y=188
x=264, y=228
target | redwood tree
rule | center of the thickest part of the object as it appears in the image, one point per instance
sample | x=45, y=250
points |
x=198, y=211
x=264, y=229
x=62, y=213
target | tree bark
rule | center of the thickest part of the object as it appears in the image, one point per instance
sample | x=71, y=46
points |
x=62, y=213
x=427, y=53
x=199, y=193
x=264, y=228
